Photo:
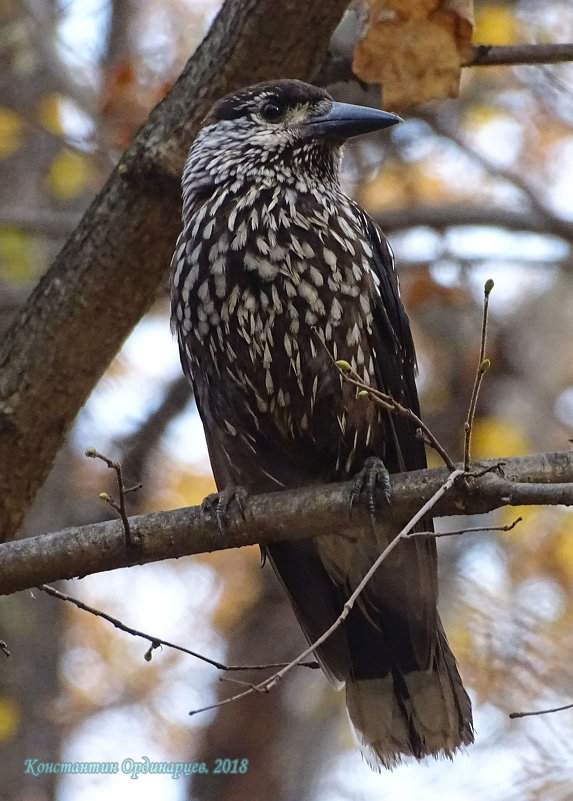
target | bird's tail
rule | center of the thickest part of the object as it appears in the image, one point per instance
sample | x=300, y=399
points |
x=417, y=713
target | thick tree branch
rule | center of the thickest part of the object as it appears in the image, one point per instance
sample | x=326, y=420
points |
x=293, y=514
x=107, y=274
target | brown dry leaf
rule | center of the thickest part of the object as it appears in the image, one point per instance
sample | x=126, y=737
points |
x=415, y=48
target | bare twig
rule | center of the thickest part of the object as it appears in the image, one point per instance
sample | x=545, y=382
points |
x=156, y=642
x=482, y=368
x=392, y=405
x=508, y=55
x=268, y=684
x=130, y=537
x=457, y=532
x=514, y=715
x=250, y=684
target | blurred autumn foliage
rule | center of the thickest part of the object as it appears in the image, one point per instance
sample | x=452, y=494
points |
x=473, y=187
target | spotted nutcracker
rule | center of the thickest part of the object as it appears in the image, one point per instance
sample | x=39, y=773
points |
x=277, y=274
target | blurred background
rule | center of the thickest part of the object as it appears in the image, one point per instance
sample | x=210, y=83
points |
x=473, y=188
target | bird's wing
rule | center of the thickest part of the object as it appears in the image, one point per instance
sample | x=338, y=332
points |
x=395, y=362
x=395, y=368
x=316, y=600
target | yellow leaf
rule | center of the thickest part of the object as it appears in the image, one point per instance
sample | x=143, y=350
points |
x=461, y=641
x=68, y=174
x=563, y=546
x=191, y=488
x=493, y=436
x=240, y=571
x=415, y=48
x=9, y=718
x=479, y=114
x=49, y=112
x=16, y=255
x=11, y=131
x=495, y=25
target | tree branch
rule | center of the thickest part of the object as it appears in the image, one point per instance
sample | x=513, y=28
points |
x=292, y=514
x=443, y=217
x=338, y=68
x=156, y=642
x=107, y=274
x=509, y=55
x=514, y=715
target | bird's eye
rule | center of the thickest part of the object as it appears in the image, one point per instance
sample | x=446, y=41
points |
x=272, y=111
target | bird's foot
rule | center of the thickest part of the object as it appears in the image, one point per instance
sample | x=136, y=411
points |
x=371, y=478
x=218, y=504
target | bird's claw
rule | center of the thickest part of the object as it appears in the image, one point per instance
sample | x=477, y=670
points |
x=217, y=505
x=372, y=476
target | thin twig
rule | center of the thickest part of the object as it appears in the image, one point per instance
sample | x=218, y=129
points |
x=392, y=405
x=389, y=403
x=459, y=531
x=130, y=537
x=482, y=368
x=496, y=468
x=272, y=681
x=514, y=715
x=156, y=642
x=242, y=683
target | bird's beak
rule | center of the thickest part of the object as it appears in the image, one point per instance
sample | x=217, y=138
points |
x=345, y=120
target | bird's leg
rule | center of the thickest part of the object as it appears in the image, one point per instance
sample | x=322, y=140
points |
x=216, y=505
x=372, y=476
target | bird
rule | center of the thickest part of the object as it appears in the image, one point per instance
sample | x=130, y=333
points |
x=278, y=274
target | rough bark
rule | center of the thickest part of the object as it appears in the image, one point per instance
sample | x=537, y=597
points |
x=107, y=274
x=537, y=479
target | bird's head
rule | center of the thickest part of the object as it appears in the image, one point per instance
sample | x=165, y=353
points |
x=277, y=131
